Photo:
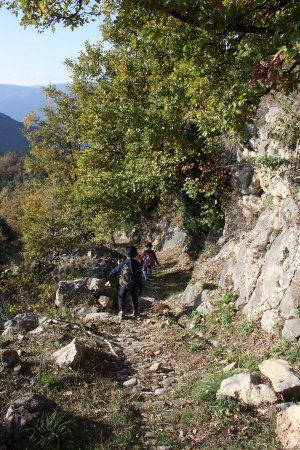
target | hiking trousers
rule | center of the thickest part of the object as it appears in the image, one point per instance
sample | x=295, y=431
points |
x=147, y=271
x=122, y=297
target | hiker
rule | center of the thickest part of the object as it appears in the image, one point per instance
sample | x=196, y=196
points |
x=149, y=260
x=130, y=280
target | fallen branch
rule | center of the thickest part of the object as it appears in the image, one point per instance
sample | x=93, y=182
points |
x=90, y=332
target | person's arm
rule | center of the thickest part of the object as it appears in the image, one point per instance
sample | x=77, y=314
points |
x=142, y=256
x=116, y=269
x=155, y=258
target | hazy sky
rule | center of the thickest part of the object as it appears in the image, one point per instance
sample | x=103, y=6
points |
x=29, y=58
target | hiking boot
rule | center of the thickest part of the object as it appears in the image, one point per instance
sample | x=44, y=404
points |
x=133, y=315
x=121, y=315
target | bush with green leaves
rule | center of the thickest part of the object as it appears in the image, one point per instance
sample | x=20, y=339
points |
x=225, y=308
x=271, y=162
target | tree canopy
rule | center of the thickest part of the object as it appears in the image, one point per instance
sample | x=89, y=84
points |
x=144, y=119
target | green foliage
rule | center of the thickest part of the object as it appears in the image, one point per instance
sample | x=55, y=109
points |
x=144, y=117
x=26, y=289
x=227, y=298
x=205, y=390
x=194, y=348
x=194, y=314
x=125, y=426
x=224, y=409
x=244, y=360
x=247, y=328
x=11, y=168
x=271, y=162
x=289, y=350
x=225, y=308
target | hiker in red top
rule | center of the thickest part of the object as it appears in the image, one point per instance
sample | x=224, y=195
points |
x=149, y=260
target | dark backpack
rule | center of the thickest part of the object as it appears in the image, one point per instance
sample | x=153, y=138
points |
x=149, y=260
x=126, y=277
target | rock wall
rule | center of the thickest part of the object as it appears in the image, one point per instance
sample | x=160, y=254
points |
x=260, y=253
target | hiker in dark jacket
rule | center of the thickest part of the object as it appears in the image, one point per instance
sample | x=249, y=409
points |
x=130, y=280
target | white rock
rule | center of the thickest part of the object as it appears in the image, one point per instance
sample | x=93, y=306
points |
x=282, y=377
x=244, y=386
x=105, y=302
x=130, y=383
x=159, y=391
x=229, y=367
x=270, y=320
x=291, y=329
x=70, y=355
x=155, y=367
x=37, y=330
x=83, y=310
x=101, y=317
x=96, y=284
x=288, y=428
x=25, y=321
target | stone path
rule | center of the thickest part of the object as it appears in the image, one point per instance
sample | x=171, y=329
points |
x=147, y=371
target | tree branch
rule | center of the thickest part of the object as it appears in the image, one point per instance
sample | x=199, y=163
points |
x=90, y=332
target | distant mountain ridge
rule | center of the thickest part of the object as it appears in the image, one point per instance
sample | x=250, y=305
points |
x=11, y=137
x=18, y=101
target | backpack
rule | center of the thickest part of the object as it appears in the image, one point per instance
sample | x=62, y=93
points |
x=126, y=276
x=149, y=260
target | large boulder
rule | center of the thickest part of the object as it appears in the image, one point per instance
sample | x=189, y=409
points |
x=71, y=292
x=173, y=237
x=101, y=268
x=70, y=355
x=246, y=388
x=283, y=379
x=192, y=294
x=24, y=321
x=206, y=301
x=288, y=428
x=96, y=285
x=24, y=412
x=291, y=329
x=81, y=290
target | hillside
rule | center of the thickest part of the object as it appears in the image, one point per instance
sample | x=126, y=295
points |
x=11, y=137
x=18, y=101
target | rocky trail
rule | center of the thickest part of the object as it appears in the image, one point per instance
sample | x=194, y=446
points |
x=149, y=382
x=150, y=351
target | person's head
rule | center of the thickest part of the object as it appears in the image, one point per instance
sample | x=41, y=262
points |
x=149, y=245
x=131, y=251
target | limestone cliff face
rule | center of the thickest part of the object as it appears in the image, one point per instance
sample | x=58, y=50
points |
x=260, y=249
